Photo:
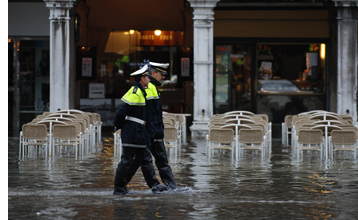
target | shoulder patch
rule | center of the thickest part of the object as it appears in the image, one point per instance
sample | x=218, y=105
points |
x=135, y=89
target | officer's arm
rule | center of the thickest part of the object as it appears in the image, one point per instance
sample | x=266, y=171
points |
x=121, y=115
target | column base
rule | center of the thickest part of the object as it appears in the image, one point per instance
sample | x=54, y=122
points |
x=199, y=130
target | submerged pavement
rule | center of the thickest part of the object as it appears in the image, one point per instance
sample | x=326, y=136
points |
x=218, y=188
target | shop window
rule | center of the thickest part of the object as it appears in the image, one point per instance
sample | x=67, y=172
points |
x=290, y=79
x=34, y=75
x=127, y=51
x=291, y=68
x=222, y=54
x=10, y=63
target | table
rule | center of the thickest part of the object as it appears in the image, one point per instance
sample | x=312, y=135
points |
x=240, y=113
x=328, y=122
x=58, y=119
x=236, y=116
x=70, y=111
x=324, y=116
x=62, y=115
x=240, y=121
x=313, y=112
x=326, y=129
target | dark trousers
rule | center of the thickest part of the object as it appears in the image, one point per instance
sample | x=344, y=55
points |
x=157, y=148
x=143, y=157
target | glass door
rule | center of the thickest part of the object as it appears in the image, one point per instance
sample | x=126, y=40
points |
x=232, y=78
x=221, y=100
x=34, y=74
x=11, y=88
x=240, y=61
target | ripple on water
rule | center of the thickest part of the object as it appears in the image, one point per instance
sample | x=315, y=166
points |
x=279, y=187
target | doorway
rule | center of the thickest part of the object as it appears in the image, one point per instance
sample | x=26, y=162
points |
x=232, y=78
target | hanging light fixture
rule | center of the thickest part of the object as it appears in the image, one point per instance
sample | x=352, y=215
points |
x=323, y=51
x=157, y=32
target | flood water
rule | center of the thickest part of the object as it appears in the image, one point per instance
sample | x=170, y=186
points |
x=218, y=188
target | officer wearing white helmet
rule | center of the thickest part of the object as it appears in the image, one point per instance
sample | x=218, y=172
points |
x=131, y=118
x=157, y=72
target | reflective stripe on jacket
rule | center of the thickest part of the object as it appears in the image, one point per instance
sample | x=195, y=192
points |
x=152, y=92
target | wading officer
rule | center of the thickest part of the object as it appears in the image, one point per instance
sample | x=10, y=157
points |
x=155, y=124
x=131, y=119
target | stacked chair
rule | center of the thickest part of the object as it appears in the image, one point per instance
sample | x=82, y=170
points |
x=322, y=131
x=173, y=131
x=56, y=131
x=239, y=131
x=286, y=129
x=344, y=140
x=117, y=143
x=33, y=135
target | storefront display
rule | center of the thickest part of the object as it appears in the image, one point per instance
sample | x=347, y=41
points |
x=127, y=51
x=285, y=74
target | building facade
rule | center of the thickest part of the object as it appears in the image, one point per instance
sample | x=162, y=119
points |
x=272, y=57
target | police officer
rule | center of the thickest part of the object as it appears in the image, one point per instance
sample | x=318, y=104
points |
x=155, y=122
x=131, y=119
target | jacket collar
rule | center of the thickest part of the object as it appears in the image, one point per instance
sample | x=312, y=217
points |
x=154, y=81
x=135, y=83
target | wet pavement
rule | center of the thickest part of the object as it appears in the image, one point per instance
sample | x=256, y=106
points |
x=217, y=188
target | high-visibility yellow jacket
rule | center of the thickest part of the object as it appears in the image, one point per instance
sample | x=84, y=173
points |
x=133, y=133
x=155, y=120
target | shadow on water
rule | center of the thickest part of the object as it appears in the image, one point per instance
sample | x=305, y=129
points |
x=218, y=188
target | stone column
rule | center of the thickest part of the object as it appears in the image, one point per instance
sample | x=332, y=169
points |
x=347, y=57
x=203, y=65
x=59, y=53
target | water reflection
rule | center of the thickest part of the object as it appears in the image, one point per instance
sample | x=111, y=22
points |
x=218, y=188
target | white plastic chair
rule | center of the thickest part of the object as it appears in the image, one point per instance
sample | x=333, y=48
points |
x=117, y=143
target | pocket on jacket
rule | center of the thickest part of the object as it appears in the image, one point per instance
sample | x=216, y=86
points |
x=140, y=134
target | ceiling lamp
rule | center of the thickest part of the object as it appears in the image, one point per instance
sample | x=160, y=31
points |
x=157, y=32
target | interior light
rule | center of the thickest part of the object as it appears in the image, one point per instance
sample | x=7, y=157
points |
x=157, y=32
x=131, y=31
x=126, y=33
x=323, y=51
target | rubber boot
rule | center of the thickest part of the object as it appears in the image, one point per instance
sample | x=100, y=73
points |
x=161, y=161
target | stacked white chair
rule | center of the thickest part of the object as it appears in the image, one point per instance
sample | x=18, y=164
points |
x=243, y=120
x=221, y=139
x=87, y=127
x=65, y=136
x=333, y=128
x=117, y=143
x=173, y=130
x=171, y=139
x=33, y=136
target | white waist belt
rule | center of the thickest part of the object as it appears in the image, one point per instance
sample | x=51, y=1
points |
x=158, y=140
x=140, y=121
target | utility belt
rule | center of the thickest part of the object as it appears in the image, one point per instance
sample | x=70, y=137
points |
x=140, y=121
